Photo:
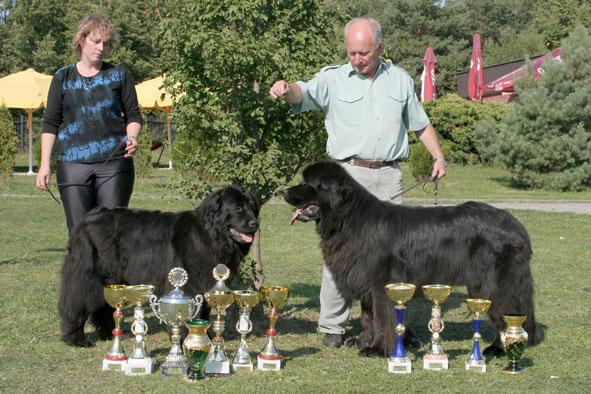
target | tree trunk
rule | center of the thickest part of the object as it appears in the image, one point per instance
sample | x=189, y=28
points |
x=255, y=253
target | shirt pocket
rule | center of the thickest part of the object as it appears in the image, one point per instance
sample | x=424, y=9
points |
x=349, y=109
x=395, y=108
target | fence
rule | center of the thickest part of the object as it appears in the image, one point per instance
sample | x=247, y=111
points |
x=155, y=125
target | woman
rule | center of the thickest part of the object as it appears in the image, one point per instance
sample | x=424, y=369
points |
x=93, y=112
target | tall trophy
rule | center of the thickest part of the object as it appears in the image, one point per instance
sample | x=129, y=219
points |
x=174, y=309
x=514, y=338
x=139, y=362
x=436, y=359
x=274, y=297
x=476, y=361
x=116, y=297
x=400, y=294
x=219, y=298
x=246, y=300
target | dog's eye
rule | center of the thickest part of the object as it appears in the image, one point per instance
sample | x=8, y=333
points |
x=239, y=209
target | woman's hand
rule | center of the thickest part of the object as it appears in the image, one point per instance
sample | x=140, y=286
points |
x=43, y=177
x=131, y=147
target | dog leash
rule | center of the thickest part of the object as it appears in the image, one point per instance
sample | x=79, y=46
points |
x=81, y=184
x=423, y=182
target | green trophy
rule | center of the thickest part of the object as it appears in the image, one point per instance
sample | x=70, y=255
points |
x=514, y=339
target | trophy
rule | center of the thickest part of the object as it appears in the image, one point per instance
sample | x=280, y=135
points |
x=196, y=347
x=514, y=339
x=246, y=300
x=139, y=362
x=477, y=306
x=219, y=299
x=116, y=297
x=174, y=309
x=400, y=294
x=275, y=297
x=436, y=359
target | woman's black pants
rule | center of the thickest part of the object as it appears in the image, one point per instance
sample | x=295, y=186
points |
x=84, y=186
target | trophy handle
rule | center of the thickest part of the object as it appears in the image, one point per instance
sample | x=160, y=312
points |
x=155, y=306
x=198, y=303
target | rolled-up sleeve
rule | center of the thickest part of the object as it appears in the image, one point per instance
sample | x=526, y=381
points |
x=314, y=95
x=415, y=116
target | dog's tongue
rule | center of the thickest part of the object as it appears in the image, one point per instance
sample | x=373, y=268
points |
x=296, y=215
x=246, y=238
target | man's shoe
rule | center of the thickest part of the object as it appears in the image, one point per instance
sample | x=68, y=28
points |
x=333, y=340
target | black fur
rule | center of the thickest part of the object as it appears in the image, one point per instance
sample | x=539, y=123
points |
x=129, y=246
x=367, y=243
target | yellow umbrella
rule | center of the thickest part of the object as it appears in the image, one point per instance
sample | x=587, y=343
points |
x=151, y=95
x=25, y=90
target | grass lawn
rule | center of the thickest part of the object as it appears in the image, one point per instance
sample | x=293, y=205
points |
x=32, y=358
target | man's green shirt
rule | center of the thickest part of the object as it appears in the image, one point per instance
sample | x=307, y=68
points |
x=367, y=118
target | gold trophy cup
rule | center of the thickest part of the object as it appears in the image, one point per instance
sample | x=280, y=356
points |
x=476, y=361
x=436, y=359
x=219, y=299
x=275, y=298
x=514, y=339
x=399, y=294
x=139, y=362
x=246, y=300
x=116, y=297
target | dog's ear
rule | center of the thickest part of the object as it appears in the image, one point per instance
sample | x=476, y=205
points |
x=336, y=193
x=212, y=205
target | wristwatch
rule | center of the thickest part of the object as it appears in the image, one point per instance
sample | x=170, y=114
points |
x=441, y=159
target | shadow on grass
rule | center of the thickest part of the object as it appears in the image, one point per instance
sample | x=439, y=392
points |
x=509, y=182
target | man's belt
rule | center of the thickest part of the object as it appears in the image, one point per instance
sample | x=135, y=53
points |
x=355, y=161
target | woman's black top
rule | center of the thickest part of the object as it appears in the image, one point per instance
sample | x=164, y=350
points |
x=90, y=114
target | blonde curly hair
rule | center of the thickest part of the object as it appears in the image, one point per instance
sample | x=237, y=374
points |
x=94, y=23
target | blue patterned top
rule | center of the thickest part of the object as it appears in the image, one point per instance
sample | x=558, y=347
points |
x=90, y=114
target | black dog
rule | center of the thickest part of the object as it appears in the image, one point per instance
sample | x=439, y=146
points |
x=367, y=243
x=128, y=246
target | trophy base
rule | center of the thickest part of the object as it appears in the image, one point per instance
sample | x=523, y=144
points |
x=248, y=366
x=114, y=364
x=169, y=369
x=512, y=370
x=139, y=366
x=217, y=368
x=265, y=363
x=399, y=365
x=435, y=362
x=476, y=366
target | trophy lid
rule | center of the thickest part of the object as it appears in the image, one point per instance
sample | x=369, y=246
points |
x=220, y=273
x=177, y=277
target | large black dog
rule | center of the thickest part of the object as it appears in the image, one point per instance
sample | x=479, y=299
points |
x=128, y=246
x=367, y=243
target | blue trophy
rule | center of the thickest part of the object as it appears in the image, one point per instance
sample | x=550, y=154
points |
x=400, y=294
x=477, y=306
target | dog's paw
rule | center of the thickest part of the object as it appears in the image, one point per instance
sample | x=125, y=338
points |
x=351, y=342
x=493, y=351
x=78, y=342
x=412, y=342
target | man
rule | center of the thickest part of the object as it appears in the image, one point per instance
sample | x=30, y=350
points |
x=369, y=107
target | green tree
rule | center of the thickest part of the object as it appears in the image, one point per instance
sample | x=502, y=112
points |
x=555, y=19
x=455, y=118
x=224, y=56
x=8, y=146
x=545, y=141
